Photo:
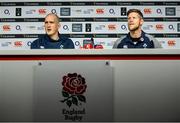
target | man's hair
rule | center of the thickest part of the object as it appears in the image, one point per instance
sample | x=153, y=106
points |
x=57, y=17
x=136, y=11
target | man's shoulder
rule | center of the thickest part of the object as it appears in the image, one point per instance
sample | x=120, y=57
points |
x=64, y=38
x=41, y=37
x=154, y=40
x=67, y=42
x=149, y=36
x=37, y=42
x=119, y=40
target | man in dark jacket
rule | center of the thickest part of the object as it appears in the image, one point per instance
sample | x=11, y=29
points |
x=52, y=39
x=136, y=38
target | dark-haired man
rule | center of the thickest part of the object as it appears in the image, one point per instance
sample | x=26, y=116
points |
x=136, y=38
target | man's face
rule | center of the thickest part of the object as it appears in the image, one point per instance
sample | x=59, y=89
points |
x=134, y=21
x=51, y=25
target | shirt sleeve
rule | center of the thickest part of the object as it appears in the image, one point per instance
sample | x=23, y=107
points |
x=70, y=44
x=154, y=40
x=156, y=43
x=34, y=44
x=117, y=42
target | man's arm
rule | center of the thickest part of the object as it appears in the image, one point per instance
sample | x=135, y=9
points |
x=71, y=44
x=35, y=44
x=155, y=41
x=117, y=42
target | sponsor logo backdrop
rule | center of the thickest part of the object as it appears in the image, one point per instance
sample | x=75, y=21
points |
x=22, y=22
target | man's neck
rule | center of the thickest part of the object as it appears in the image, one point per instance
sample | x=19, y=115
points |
x=136, y=33
x=55, y=37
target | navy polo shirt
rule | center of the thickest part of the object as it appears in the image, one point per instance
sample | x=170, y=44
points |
x=145, y=41
x=45, y=42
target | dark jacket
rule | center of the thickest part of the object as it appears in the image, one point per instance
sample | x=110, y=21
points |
x=45, y=42
x=145, y=41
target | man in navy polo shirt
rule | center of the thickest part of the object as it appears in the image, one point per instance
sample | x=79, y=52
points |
x=136, y=38
x=52, y=39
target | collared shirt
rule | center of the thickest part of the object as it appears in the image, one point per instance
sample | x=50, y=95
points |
x=145, y=41
x=45, y=42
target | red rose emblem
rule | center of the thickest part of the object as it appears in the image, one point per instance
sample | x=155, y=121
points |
x=74, y=86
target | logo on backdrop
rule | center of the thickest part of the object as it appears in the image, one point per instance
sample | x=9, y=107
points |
x=147, y=11
x=178, y=27
x=76, y=27
x=6, y=12
x=170, y=11
x=123, y=11
x=18, y=11
x=65, y=11
x=88, y=27
x=74, y=87
x=99, y=11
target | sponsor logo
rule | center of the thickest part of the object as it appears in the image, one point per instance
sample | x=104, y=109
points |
x=5, y=44
x=178, y=27
x=111, y=11
x=31, y=27
x=100, y=27
x=99, y=11
x=159, y=11
x=65, y=27
x=18, y=27
x=65, y=11
x=77, y=43
x=18, y=11
x=170, y=11
x=53, y=11
x=112, y=27
x=147, y=11
x=6, y=12
x=171, y=27
x=42, y=11
x=78, y=11
x=40, y=28
x=147, y=27
x=29, y=43
x=123, y=11
x=88, y=27
x=18, y=43
x=123, y=27
x=6, y=28
x=171, y=43
x=32, y=11
x=159, y=27
x=89, y=11
x=76, y=27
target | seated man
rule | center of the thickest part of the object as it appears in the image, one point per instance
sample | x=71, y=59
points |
x=136, y=38
x=52, y=39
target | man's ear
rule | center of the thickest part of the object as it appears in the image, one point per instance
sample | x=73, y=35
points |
x=59, y=25
x=141, y=21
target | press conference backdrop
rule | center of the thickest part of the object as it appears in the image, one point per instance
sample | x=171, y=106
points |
x=21, y=21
